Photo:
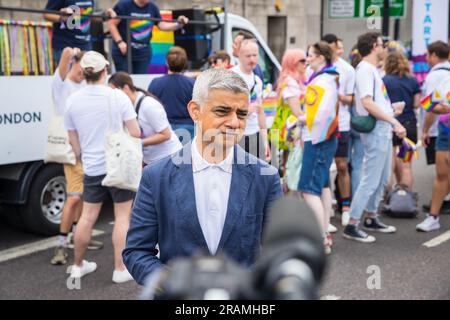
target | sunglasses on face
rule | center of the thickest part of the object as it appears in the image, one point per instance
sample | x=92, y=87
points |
x=302, y=61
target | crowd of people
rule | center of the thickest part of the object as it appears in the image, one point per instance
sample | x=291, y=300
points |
x=218, y=197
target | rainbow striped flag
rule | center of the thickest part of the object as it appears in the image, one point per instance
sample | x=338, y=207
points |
x=408, y=149
x=161, y=42
x=428, y=104
x=448, y=98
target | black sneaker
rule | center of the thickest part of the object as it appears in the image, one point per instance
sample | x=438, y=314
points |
x=375, y=225
x=353, y=232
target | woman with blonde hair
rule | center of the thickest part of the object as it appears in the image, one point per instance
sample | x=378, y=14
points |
x=291, y=90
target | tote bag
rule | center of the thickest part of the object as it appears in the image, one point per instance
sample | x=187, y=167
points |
x=123, y=158
x=58, y=149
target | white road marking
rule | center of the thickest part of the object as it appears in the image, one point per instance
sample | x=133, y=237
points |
x=438, y=240
x=330, y=297
x=33, y=247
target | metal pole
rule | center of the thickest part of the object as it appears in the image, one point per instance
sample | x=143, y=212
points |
x=397, y=30
x=386, y=18
x=225, y=25
x=129, y=60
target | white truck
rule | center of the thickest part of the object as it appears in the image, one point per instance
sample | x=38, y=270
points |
x=32, y=194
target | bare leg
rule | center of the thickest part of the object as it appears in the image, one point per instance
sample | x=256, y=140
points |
x=343, y=177
x=315, y=203
x=327, y=207
x=122, y=213
x=71, y=212
x=441, y=182
x=83, y=232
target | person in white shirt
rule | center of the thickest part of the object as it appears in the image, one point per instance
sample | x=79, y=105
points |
x=67, y=79
x=158, y=139
x=255, y=140
x=371, y=98
x=438, y=53
x=440, y=68
x=91, y=113
x=346, y=91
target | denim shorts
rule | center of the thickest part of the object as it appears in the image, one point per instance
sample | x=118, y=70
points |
x=317, y=160
x=441, y=141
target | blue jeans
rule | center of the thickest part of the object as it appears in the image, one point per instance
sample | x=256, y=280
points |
x=184, y=132
x=315, y=172
x=376, y=170
x=139, y=67
x=356, y=159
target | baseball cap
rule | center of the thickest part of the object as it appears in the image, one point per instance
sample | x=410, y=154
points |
x=94, y=60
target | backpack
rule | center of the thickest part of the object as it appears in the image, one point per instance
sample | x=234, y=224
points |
x=401, y=203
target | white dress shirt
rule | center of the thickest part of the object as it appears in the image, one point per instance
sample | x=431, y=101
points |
x=212, y=189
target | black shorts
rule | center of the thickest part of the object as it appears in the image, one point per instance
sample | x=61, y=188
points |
x=430, y=151
x=411, y=132
x=342, y=150
x=94, y=192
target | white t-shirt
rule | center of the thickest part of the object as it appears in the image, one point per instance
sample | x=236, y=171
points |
x=88, y=111
x=367, y=76
x=346, y=87
x=153, y=119
x=255, y=83
x=431, y=83
x=62, y=89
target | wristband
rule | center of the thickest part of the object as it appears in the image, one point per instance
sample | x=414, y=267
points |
x=120, y=41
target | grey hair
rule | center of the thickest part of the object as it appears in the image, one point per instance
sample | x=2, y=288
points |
x=217, y=79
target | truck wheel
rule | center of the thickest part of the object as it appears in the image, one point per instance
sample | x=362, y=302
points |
x=42, y=213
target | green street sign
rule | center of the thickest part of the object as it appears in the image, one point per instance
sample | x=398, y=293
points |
x=353, y=9
x=397, y=8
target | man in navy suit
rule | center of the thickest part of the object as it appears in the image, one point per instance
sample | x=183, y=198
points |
x=211, y=196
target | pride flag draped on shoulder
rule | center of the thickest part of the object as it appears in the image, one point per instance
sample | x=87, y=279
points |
x=322, y=105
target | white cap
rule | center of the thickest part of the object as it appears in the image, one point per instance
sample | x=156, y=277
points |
x=94, y=60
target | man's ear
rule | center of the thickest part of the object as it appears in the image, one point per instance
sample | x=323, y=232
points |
x=194, y=110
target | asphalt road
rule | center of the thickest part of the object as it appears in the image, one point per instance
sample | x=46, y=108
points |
x=397, y=266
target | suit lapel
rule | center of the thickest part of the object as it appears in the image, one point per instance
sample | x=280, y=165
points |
x=241, y=181
x=183, y=182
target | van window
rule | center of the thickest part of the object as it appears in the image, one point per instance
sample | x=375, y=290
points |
x=266, y=64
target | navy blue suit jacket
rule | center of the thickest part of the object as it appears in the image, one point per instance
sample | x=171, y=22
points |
x=165, y=213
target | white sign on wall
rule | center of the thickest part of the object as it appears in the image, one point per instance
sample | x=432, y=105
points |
x=430, y=23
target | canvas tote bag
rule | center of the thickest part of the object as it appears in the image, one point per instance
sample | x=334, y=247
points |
x=123, y=157
x=58, y=148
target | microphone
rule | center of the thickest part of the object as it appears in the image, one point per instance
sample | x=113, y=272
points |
x=292, y=260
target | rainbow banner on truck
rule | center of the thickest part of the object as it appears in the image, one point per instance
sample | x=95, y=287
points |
x=161, y=42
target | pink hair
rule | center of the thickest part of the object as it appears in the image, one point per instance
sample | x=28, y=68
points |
x=289, y=65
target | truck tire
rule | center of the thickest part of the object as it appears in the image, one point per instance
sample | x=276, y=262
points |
x=42, y=212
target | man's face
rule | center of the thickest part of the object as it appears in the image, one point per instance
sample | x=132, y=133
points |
x=380, y=50
x=222, y=118
x=237, y=45
x=248, y=55
x=432, y=59
x=340, y=49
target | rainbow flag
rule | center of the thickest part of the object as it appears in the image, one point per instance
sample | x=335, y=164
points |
x=85, y=22
x=161, y=42
x=448, y=98
x=385, y=93
x=428, y=104
x=408, y=149
x=321, y=109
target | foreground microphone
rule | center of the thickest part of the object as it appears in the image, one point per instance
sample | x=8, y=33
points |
x=293, y=260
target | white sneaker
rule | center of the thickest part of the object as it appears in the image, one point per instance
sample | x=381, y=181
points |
x=121, y=276
x=429, y=224
x=86, y=268
x=345, y=219
x=331, y=228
